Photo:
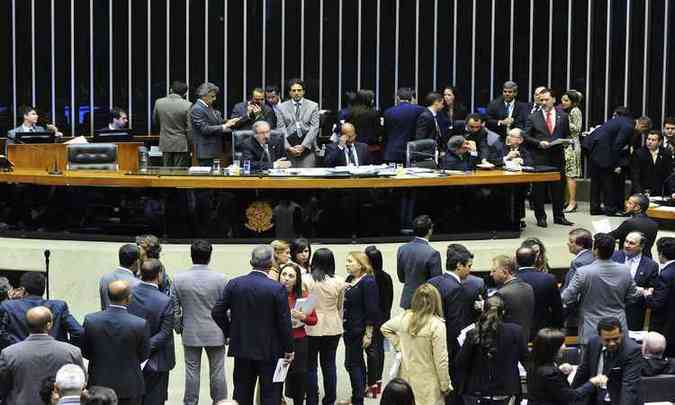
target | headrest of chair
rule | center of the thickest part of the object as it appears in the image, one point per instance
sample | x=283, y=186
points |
x=92, y=153
x=243, y=134
x=422, y=145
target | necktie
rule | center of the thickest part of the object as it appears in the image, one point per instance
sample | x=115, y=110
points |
x=298, y=130
x=438, y=129
x=549, y=122
x=508, y=109
x=350, y=158
x=297, y=111
x=267, y=156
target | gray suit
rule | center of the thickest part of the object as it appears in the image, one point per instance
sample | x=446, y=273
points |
x=24, y=365
x=196, y=292
x=172, y=113
x=305, y=124
x=518, y=299
x=583, y=258
x=416, y=263
x=603, y=288
x=11, y=134
x=119, y=273
x=207, y=131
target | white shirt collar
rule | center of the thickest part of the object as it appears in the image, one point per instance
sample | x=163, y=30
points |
x=580, y=252
x=259, y=271
x=421, y=238
x=117, y=306
x=199, y=100
x=127, y=270
x=666, y=264
x=432, y=111
x=28, y=129
x=150, y=284
x=455, y=276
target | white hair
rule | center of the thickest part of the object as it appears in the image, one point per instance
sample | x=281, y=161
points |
x=70, y=379
x=653, y=345
x=206, y=88
x=259, y=124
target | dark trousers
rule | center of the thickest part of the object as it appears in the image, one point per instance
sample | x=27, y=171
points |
x=356, y=367
x=618, y=195
x=557, y=198
x=246, y=372
x=129, y=401
x=324, y=348
x=156, y=387
x=176, y=159
x=375, y=358
x=296, y=380
x=472, y=400
x=601, y=189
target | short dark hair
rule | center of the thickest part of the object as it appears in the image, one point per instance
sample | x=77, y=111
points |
x=643, y=201
x=151, y=245
x=645, y=120
x=398, y=392
x=526, y=256
x=657, y=133
x=128, y=255
x=150, y=269
x=669, y=121
x=405, y=93
x=25, y=109
x=604, y=245
x=375, y=257
x=365, y=97
x=116, y=113
x=622, y=111
x=200, y=251
x=609, y=323
x=421, y=225
x=348, y=98
x=546, y=346
x=323, y=264
x=665, y=246
x=475, y=117
x=179, y=87
x=582, y=237
x=295, y=81
x=457, y=254
x=97, y=395
x=33, y=282
x=272, y=89
x=432, y=98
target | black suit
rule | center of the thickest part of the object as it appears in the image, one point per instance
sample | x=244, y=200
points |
x=247, y=120
x=428, y=127
x=536, y=131
x=646, y=275
x=546, y=385
x=116, y=342
x=547, y=302
x=496, y=112
x=518, y=299
x=253, y=151
x=335, y=156
x=623, y=369
x=662, y=303
x=645, y=174
x=416, y=262
x=454, y=300
x=641, y=223
x=157, y=309
x=652, y=367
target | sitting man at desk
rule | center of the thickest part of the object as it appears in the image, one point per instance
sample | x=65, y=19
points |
x=263, y=151
x=490, y=147
x=118, y=120
x=30, y=119
x=461, y=155
x=347, y=152
x=515, y=154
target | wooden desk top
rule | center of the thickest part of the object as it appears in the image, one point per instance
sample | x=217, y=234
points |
x=122, y=179
x=658, y=212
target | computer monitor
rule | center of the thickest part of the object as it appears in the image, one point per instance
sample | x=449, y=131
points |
x=35, y=137
x=113, y=135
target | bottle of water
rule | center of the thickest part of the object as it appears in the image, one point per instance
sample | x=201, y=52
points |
x=247, y=167
x=143, y=159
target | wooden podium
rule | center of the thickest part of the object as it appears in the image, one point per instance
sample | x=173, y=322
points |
x=49, y=155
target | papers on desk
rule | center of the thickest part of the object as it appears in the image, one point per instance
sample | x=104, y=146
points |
x=281, y=371
x=77, y=140
x=602, y=226
x=199, y=170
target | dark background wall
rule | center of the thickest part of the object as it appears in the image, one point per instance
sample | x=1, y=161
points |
x=64, y=55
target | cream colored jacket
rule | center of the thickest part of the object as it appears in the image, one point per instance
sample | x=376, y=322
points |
x=329, y=294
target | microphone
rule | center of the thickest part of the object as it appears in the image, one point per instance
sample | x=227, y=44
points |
x=47, y=253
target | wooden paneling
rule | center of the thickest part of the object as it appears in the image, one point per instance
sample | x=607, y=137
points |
x=43, y=156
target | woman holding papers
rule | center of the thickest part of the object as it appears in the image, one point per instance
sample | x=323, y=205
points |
x=361, y=317
x=302, y=313
x=419, y=335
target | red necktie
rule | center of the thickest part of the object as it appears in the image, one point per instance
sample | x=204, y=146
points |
x=549, y=122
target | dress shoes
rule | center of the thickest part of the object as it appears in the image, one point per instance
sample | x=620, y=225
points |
x=563, y=221
x=541, y=222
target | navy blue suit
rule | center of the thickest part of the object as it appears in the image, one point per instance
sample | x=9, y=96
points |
x=259, y=329
x=464, y=163
x=646, y=276
x=416, y=263
x=641, y=223
x=253, y=151
x=14, y=329
x=474, y=290
x=399, y=123
x=336, y=157
x=496, y=111
x=454, y=300
x=547, y=303
x=662, y=303
x=157, y=309
x=116, y=343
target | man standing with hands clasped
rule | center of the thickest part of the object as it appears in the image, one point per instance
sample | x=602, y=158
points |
x=299, y=118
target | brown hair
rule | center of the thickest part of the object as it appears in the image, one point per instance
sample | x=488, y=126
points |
x=426, y=302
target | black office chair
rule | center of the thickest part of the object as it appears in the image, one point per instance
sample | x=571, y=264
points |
x=242, y=135
x=660, y=388
x=421, y=153
x=90, y=156
x=327, y=120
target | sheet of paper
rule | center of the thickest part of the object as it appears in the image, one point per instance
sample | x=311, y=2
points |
x=306, y=305
x=143, y=364
x=602, y=226
x=281, y=371
x=462, y=334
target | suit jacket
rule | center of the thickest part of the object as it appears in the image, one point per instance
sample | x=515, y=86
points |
x=172, y=114
x=662, y=303
x=641, y=223
x=368, y=124
x=308, y=120
x=416, y=262
x=207, y=131
x=454, y=298
x=474, y=290
x=646, y=276
x=400, y=122
x=335, y=156
x=247, y=120
x=266, y=336
x=653, y=367
x=547, y=385
x=157, y=309
x=547, y=304
x=496, y=111
x=14, y=329
x=536, y=131
x=571, y=309
x=253, y=151
x=603, y=288
x=465, y=163
x=489, y=146
x=385, y=290
x=428, y=127
x=116, y=342
x=454, y=124
x=119, y=273
x=647, y=175
x=11, y=134
x=524, y=154
x=25, y=365
x=518, y=299
x=623, y=370
x=361, y=308
x=608, y=144
x=196, y=292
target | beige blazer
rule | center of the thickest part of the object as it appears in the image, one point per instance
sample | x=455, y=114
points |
x=329, y=294
x=424, y=358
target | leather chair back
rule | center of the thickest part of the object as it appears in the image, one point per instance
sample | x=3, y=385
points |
x=90, y=156
x=660, y=388
x=421, y=153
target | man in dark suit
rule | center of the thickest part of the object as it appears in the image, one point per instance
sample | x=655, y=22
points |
x=616, y=356
x=547, y=304
x=644, y=271
x=347, y=152
x=518, y=296
x=487, y=143
x=256, y=343
x=636, y=206
x=461, y=155
x=650, y=166
x=157, y=309
x=208, y=129
x=580, y=244
x=427, y=122
x=505, y=112
x=607, y=146
x=543, y=128
x=262, y=150
x=400, y=122
x=669, y=134
x=116, y=343
x=13, y=323
x=475, y=292
x=653, y=361
x=254, y=110
x=662, y=298
x=417, y=261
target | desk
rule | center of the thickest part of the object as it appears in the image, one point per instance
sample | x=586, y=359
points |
x=661, y=212
x=42, y=156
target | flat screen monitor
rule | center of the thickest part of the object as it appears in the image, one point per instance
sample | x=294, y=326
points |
x=113, y=135
x=35, y=137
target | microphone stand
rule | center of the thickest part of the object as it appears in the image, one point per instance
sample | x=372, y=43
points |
x=47, y=254
x=54, y=167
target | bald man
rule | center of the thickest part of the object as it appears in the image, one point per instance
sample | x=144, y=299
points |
x=19, y=377
x=116, y=342
x=654, y=363
x=346, y=152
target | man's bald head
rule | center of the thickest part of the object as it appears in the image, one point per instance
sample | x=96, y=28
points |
x=39, y=319
x=119, y=292
x=348, y=133
x=653, y=345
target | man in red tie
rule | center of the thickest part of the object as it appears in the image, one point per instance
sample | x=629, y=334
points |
x=543, y=128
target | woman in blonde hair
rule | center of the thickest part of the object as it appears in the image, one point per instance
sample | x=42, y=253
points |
x=282, y=255
x=361, y=317
x=419, y=335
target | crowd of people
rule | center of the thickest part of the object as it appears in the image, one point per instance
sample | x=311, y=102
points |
x=458, y=341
